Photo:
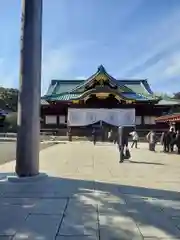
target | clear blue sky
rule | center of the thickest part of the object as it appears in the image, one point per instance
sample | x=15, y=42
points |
x=131, y=38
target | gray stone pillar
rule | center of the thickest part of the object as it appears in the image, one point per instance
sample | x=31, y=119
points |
x=27, y=152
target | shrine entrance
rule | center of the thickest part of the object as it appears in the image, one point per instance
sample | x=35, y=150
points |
x=82, y=121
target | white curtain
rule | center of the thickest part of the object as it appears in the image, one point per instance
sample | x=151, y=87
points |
x=87, y=116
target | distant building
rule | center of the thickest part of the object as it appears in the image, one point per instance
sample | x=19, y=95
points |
x=102, y=90
x=173, y=119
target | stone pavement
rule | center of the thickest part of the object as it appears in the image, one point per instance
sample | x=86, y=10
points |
x=89, y=195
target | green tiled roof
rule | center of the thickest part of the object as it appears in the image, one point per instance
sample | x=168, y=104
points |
x=71, y=96
x=72, y=89
x=63, y=97
x=137, y=88
x=62, y=86
x=101, y=70
x=69, y=85
x=51, y=89
x=168, y=102
x=44, y=102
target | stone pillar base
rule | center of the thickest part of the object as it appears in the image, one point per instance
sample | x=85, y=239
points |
x=15, y=179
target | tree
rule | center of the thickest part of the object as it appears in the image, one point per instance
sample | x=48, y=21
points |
x=10, y=122
x=8, y=99
x=177, y=95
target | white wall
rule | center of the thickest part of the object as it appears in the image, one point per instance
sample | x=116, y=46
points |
x=50, y=119
x=138, y=120
x=149, y=120
x=62, y=119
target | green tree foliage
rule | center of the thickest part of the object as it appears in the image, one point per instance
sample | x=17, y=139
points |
x=10, y=122
x=177, y=95
x=8, y=102
x=8, y=99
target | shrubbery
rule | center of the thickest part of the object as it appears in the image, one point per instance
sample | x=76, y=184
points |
x=10, y=123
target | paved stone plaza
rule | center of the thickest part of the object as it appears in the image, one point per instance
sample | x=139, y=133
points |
x=89, y=195
x=8, y=150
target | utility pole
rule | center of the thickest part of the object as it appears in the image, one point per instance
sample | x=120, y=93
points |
x=28, y=137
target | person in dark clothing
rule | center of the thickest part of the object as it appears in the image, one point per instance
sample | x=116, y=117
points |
x=177, y=141
x=69, y=134
x=122, y=142
x=162, y=141
x=94, y=136
x=165, y=141
x=115, y=138
x=115, y=135
x=172, y=139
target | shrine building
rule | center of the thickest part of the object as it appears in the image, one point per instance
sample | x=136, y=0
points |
x=103, y=91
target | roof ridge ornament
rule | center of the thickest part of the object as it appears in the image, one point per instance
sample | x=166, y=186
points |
x=101, y=69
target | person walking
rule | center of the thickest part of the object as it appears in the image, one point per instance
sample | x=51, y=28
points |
x=168, y=141
x=115, y=136
x=110, y=135
x=151, y=138
x=177, y=141
x=172, y=139
x=135, y=138
x=69, y=134
x=122, y=142
x=94, y=137
x=165, y=141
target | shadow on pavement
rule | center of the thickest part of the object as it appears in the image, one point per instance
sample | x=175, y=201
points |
x=63, y=206
x=150, y=163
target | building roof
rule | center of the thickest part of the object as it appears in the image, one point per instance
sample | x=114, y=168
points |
x=72, y=96
x=44, y=102
x=60, y=86
x=170, y=102
x=138, y=89
x=63, y=97
x=174, y=117
x=140, y=86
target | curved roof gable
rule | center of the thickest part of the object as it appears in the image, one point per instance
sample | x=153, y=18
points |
x=139, y=86
x=101, y=74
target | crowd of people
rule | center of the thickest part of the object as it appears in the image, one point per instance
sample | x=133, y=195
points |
x=170, y=139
